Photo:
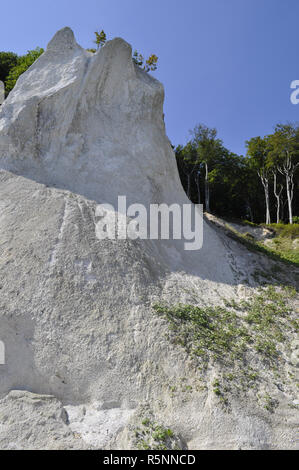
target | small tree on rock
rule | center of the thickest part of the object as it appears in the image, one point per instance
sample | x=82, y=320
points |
x=100, y=38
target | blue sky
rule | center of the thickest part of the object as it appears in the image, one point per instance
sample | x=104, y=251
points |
x=226, y=63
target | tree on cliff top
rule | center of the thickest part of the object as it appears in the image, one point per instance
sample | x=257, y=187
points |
x=100, y=38
x=148, y=65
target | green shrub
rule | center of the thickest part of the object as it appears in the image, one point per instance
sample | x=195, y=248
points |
x=286, y=230
x=224, y=335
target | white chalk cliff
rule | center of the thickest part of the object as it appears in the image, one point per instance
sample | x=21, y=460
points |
x=84, y=349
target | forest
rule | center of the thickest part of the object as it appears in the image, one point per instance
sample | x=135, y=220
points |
x=261, y=187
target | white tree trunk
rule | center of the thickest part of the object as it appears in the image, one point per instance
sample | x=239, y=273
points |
x=268, y=218
x=277, y=195
x=288, y=170
x=207, y=189
x=290, y=197
x=198, y=187
x=265, y=183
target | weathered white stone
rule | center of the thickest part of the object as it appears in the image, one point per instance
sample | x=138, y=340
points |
x=75, y=312
x=31, y=421
x=90, y=123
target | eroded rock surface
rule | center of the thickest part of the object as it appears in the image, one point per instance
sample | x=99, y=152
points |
x=76, y=313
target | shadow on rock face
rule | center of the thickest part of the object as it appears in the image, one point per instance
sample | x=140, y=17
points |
x=19, y=370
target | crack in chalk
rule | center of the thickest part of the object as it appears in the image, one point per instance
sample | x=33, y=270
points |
x=62, y=223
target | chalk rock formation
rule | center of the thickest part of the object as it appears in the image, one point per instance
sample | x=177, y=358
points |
x=90, y=123
x=32, y=421
x=75, y=312
x=93, y=124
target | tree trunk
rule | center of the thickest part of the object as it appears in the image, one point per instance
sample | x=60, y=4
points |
x=188, y=185
x=290, y=197
x=265, y=183
x=198, y=187
x=288, y=171
x=277, y=195
x=282, y=213
x=249, y=210
x=207, y=189
x=188, y=174
x=268, y=219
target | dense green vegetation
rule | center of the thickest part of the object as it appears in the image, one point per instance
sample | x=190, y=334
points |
x=261, y=186
x=12, y=66
x=8, y=60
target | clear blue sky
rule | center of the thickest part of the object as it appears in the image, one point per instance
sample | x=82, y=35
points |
x=226, y=63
